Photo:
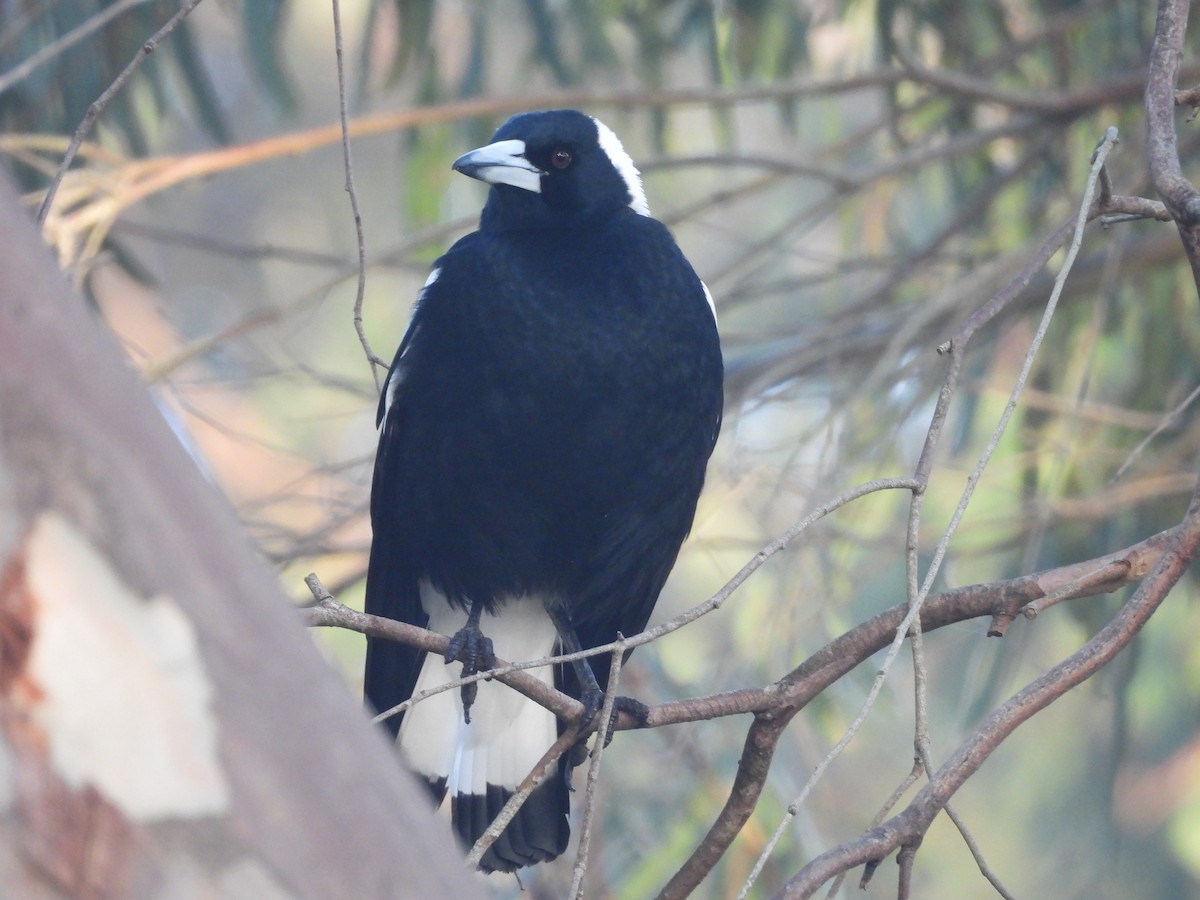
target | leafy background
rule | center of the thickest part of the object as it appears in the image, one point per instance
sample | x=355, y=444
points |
x=852, y=180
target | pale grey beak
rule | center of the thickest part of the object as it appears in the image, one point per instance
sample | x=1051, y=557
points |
x=503, y=162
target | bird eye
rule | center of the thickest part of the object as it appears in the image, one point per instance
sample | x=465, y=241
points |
x=560, y=157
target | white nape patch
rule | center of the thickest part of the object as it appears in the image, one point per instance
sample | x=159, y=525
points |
x=508, y=732
x=396, y=376
x=611, y=145
x=709, y=297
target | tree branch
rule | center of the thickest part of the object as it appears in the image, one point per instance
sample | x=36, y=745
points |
x=1162, y=147
x=909, y=825
x=776, y=704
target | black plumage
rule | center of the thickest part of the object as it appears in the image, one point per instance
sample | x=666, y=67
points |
x=545, y=428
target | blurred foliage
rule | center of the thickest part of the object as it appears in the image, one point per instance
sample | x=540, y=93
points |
x=852, y=181
x=56, y=95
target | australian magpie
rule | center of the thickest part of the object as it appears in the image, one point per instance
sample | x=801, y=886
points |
x=544, y=432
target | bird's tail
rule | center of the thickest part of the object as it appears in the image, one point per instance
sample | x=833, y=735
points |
x=482, y=763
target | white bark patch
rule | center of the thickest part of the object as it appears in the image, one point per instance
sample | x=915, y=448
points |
x=125, y=702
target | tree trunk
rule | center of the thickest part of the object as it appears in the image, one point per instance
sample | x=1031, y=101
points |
x=166, y=726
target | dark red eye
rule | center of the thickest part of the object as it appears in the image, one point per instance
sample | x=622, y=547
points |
x=560, y=157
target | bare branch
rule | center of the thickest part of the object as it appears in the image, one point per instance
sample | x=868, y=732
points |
x=372, y=359
x=972, y=752
x=593, y=777
x=775, y=704
x=329, y=613
x=1162, y=145
x=1190, y=97
x=544, y=769
x=1066, y=103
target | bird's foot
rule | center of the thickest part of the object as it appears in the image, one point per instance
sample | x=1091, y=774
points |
x=473, y=649
x=592, y=705
x=635, y=709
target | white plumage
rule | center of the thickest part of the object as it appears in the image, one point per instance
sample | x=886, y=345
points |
x=508, y=733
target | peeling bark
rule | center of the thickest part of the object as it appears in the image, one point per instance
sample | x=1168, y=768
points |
x=166, y=726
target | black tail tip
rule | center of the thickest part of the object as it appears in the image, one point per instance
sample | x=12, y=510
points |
x=538, y=833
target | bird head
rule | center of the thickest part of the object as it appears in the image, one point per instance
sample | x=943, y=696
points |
x=552, y=169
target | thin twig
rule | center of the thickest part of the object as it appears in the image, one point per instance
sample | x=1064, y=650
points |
x=781, y=542
x=1170, y=419
x=712, y=603
x=906, y=625
x=902, y=829
x=1099, y=157
x=100, y=103
x=544, y=769
x=917, y=770
x=984, y=869
x=372, y=360
x=1102, y=575
x=593, y=776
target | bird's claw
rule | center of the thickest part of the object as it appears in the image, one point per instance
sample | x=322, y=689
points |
x=593, y=702
x=473, y=649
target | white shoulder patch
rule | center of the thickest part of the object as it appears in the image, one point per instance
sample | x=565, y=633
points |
x=709, y=297
x=611, y=145
x=396, y=375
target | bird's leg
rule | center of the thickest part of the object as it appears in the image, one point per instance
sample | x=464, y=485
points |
x=473, y=649
x=591, y=694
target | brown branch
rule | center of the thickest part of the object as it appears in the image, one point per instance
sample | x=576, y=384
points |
x=329, y=613
x=776, y=704
x=603, y=735
x=1117, y=209
x=165, y=171
x=911, y=824
x=1162, y=148
x=795, y=690
x=1046, y=103
x=1189, y=97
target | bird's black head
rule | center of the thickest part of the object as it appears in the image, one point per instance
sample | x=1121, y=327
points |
x=553, y=169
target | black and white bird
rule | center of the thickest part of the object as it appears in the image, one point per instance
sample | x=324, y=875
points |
x=544, y=432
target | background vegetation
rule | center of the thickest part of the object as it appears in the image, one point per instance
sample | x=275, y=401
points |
x=852, y=181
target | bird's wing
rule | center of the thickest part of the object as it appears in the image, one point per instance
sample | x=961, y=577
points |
x=392, y=587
